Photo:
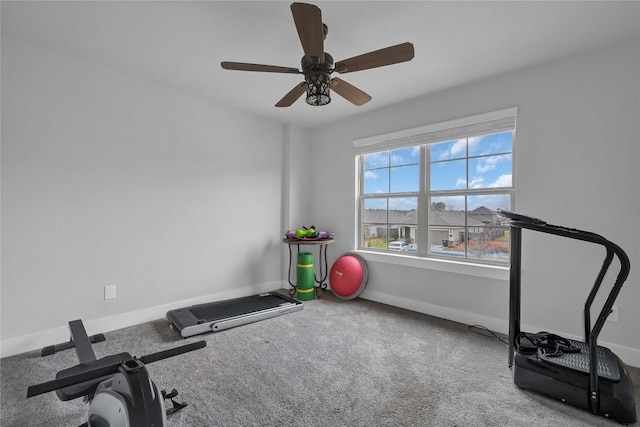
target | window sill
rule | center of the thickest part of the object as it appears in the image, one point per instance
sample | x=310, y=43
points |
x=449, y=266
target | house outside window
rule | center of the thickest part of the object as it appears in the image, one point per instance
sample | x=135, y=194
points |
x=434, y=191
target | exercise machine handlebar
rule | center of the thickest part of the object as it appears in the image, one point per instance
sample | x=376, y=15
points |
x=165, y=354
x=110, y=369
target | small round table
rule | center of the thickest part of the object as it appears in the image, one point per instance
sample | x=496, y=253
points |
x=322, y=262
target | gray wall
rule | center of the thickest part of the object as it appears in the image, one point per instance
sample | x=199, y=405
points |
x=111, y=180
x=576, y=158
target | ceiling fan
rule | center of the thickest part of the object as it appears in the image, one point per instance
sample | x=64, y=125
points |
x=317, y=65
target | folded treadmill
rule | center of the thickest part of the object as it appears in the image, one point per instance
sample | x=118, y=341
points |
x=590, y=377
x=220, y=315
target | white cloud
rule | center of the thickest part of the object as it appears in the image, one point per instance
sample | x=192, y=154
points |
x=490, y=163
x=377, y=159
x=459, y=147
x=476, y=182
x=502, y=181
x=456, y=150
x=485, y=166
x=370, y=175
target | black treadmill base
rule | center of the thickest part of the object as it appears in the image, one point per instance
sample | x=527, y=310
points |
x=221, y=315
x=616, y=401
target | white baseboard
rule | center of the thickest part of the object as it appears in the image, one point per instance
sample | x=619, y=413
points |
x=38, y=340
x=630, y=356
x=460, y=316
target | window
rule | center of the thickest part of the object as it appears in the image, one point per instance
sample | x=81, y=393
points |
x=434, y=191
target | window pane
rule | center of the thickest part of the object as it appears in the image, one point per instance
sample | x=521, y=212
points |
x=374, y=224
x=405, y=178
x=449, y=175
x=490, y=171
x=486, y=240
x=446, y=226
x=390, y=220
x=403, y=221
x=376, y=181
x=448, y=150
x=444, y=205
x=491, y=144
x=405, y=156
x=489, y=244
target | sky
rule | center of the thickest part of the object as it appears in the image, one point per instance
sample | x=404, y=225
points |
x=489, y=165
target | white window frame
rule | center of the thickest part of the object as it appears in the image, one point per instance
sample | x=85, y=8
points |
x=481, y=124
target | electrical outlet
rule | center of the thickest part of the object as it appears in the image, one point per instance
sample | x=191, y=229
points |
x=110, y=292
x=614, y=314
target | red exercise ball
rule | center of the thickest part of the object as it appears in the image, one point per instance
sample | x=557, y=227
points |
x=348, y=276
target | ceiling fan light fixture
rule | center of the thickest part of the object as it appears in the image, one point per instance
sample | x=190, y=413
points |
x=318, y=84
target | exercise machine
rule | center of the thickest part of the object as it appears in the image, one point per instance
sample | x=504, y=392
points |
x=582, y=374
x=118, y=387
x=220, y=315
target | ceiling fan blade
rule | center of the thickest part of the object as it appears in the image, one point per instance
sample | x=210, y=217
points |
x=378, y=58
x=308, y=20
x=242, y=66
x=349, y=92
x=292, y=96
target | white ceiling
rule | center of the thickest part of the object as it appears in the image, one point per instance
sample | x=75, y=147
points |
x=181, y=44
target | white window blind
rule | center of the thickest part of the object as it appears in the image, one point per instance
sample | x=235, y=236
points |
x=480, y=124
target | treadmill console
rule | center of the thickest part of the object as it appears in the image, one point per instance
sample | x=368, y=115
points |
x=520, y=217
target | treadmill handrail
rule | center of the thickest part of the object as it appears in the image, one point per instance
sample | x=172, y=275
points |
x=594, y=291
x=591, y=334
x=587, y=236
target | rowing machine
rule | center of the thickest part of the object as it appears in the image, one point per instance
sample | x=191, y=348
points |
x=118, y=387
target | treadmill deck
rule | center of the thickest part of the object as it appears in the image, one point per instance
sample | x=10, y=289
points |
x=220, y=315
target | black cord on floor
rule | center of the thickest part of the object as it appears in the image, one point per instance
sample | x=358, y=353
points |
x=482, y=330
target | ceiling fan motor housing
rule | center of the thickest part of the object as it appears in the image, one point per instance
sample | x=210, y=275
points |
x=308, y=65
